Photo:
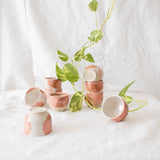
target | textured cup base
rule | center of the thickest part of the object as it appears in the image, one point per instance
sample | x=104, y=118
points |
x=61, y=109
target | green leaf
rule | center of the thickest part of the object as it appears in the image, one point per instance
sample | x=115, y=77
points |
x=60, y=73
x=88, y=57
x=95, y=36
x=122, y=93
x=71, y=72
x=128, y=99
x=79, y=54
x=64, y=57
x=76, y=102
x=93, y=5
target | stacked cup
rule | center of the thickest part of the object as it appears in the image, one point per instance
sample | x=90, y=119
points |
x=37, y=121
x=52, y=85
x=94, y=85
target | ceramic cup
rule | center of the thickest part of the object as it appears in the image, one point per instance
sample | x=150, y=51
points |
x=50, y=90
x=97, y=98
x=96, y=86
x=35, y=97
x=58, y=101
x=93, y=73
x=37, y=122
x=115, y=108
x=53, y=82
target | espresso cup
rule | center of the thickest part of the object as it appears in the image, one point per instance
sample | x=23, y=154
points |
x=35, y=97
x=93, y=73
x=95, y=98
x=37, y=122
x=96, y=86
x=53, y=82
x=58, y=101
x=115, y=108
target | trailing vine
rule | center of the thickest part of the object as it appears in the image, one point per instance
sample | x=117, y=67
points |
x=69, y=72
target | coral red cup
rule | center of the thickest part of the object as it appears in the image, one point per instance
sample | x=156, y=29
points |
x=37, y=122
x=58, y=101
x=96, y=86
x=96, y=98
x=115, y=108
x=93, y=73
x=35, y=97
x=50, y=90
x=53, y=82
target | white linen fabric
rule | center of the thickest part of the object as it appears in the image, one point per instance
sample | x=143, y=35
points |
x=86, y=135
x=31, y=31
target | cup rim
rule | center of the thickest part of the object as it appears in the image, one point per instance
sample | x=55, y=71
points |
x=117, y=116
x=58, y=93
x=94, y=82
x=51, y=78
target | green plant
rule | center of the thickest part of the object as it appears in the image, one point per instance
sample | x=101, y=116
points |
x=129, y=99
x=69, y=72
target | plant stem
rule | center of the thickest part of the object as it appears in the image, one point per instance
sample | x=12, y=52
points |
x=108, y=15
x=96, y=20
x=109, y=8
x=91, y=105
x=138, y=101
x=74, y=87
x=82, y=84
x=85, y=44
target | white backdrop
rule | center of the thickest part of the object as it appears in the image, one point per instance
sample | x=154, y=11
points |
x=32, y=30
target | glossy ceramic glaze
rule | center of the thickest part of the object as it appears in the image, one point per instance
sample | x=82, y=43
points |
x=53, y=82
x=35, y=97
x=96, y=86
x=58, y=101
x=97, y=98
x=37, y=122
x=115, y=108
x=93, y=73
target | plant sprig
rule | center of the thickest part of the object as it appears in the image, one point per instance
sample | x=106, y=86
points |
x=70, y=73
x=129, y=99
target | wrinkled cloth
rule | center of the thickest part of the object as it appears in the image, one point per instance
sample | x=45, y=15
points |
x=86, y=135
x=31, y=31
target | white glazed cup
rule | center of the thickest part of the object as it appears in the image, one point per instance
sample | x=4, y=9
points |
x=115, y=108
x=93, y=73
x=37, y=122
x=35, y=97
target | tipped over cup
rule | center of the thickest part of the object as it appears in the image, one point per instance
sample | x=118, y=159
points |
x=115, y=108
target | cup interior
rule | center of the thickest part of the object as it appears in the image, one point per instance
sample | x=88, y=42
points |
x=90, y=75
x=113, y=107
x=32, y=96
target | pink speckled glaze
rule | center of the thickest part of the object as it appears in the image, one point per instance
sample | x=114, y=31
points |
x=97, y=98
x=96, y=86
x=58, y=100
x=53, y=82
